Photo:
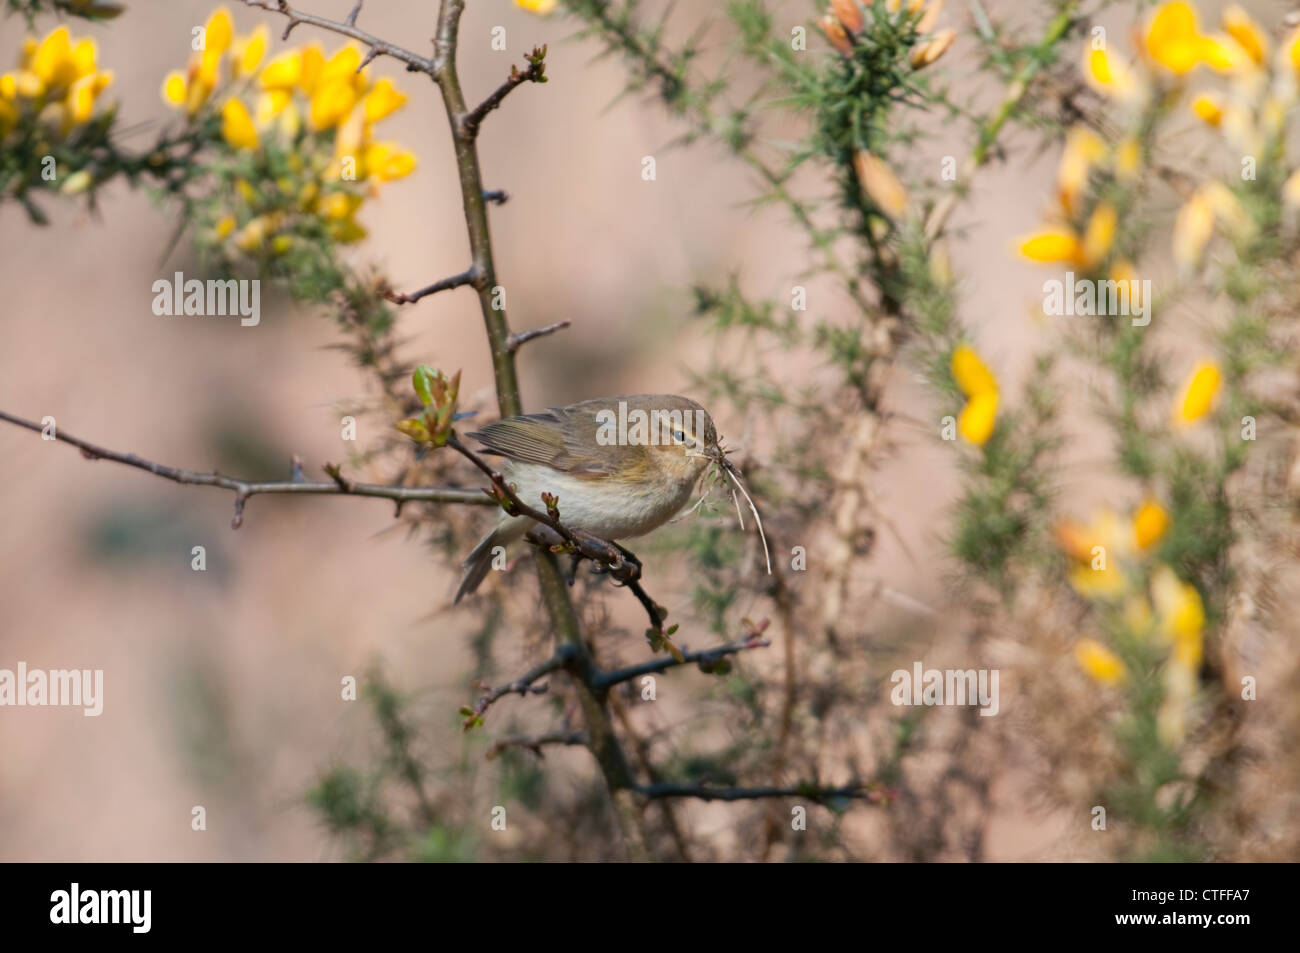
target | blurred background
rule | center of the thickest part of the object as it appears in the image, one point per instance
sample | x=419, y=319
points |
x=222, y=688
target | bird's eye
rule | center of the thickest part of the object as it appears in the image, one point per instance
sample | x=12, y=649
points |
x=678, y=436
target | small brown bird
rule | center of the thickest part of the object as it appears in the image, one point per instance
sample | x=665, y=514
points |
x=620, y=466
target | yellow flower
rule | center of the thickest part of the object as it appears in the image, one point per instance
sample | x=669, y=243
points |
x=283, y=72
x=218, y=31
x=1052, y=245
x=1107, y=75
x=340, y=205
x=880, y=183
x=836, y=34
x=1198, y=393
x=1248, y=36
x=1172, y=38
x=331, y=103
x=1181, y=616
x=1099, y=662
x=1223, y=54
x=385, y=161
x=383, y=100
x=541, y=7
x=52, y=61
x=977, y=382
x=174, y=91
x=270, y=104
x=1193, y=227
x=971, y=374
x=237, y=125
x=1128, y=159
x=1209, y=107
x=1150, y=523
x=1083, y=149
x=252, y=235
x=926, y=53
x=978, y=418
x=848, y=13
x=225, y=226
x=931, y=17
x=80, y=104
x=1099, y=235
x=248, y=52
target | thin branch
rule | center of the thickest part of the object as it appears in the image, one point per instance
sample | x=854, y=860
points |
x=517, y=340
x=606, y=680
x=535, y=744
x=243, y=489
x=523, y=685
x=989, y=131
x=471, y=277
x=352, y=17
x=809, y=793
x=347, y=28
x=534, y=73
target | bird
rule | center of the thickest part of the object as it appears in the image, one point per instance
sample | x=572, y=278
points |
x=619, y=466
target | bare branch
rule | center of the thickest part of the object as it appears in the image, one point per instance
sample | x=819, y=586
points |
x=517, y=340
x=473, y=276
x=808, y=793
x=564, y=657
x=347, y=28
x=535, y=744
x=534, y=73
x=606, y=680
x=243, y=489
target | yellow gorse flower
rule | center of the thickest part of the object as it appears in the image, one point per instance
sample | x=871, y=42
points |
x=55, y=70
x=1099, y=662
x=1209, y=108
x=976, y=381
x=237, y=125
x=1198, y=393
x=880, y=183
x=541, y=7
x=1248, y=36
x=1150, y=523
x=312, y=114
x=1083, y=150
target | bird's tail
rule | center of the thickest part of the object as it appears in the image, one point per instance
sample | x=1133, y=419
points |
x=479, y=561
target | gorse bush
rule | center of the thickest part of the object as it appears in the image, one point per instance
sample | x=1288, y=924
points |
x=1139, y=627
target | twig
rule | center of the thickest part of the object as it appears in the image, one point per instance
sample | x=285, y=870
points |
x=517, y=340
x=471, y=277
x=347, y=28
x=989, y=132
x=705, y=793
x=606, y=680
x=534, y=73
x=535, y=744
x=563, y=658
x=243, y=489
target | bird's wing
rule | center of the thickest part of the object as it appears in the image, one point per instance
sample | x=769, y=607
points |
x=555, y=440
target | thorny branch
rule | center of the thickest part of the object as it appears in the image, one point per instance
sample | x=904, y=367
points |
x=348, y=28
x=243, y=489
